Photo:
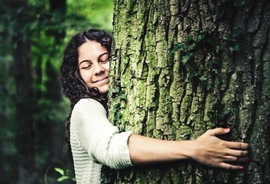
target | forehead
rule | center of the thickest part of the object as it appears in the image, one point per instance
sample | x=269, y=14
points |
x=91, y=49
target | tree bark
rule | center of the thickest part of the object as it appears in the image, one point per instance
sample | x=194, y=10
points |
x=187, y=66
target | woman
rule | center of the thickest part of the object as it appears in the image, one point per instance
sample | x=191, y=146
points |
x=96, y=143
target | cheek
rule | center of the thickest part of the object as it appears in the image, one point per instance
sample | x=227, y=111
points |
x=86, y=76
x=107, y=66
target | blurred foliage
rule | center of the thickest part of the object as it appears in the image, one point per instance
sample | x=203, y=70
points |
x=46, y=30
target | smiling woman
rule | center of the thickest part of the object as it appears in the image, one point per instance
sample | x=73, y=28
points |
x=94, y=65
x=97, y=145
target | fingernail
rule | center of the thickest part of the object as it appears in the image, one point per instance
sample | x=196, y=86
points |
x=241, y=168
x=228, y=129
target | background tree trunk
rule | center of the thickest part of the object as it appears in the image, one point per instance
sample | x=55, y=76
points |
x=186, y=66
x=50, y=128
x=26, y=153
x=6, y=107
x=39, y=129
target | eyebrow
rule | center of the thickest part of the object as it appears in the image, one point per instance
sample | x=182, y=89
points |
x=86, y=60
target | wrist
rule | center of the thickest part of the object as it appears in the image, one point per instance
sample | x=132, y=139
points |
x=187, y=149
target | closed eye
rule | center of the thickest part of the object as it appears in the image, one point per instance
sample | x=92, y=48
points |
x=105, y=58
x=86, y=65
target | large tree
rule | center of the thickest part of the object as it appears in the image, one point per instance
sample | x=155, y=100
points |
x=184, y=67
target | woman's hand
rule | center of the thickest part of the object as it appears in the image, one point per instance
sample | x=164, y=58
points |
x=209, y=150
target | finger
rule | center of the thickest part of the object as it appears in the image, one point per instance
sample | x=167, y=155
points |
x=238, y=145
x=218, y=131
x=235, y=159
x=230, y=166
x=238, y=153
x=229, y=158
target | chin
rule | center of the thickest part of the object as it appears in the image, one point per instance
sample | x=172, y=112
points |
x=103, y=90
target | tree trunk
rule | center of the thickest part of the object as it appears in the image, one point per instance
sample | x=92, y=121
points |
x=24, y=101
x=49, y=128
x=58, y=8
x=187, y=66
x=24, y=115
x=6, y=106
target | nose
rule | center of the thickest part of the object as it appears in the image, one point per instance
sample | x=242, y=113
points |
x=99, y=69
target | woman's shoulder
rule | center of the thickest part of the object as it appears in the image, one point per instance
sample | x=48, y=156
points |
x=88, y=103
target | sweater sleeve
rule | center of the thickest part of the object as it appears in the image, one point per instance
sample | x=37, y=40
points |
x=103, y=141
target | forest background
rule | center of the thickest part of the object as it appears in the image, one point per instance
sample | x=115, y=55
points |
x=217, y=74
x=33, y=34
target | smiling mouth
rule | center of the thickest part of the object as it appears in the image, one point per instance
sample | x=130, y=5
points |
x=102, y=80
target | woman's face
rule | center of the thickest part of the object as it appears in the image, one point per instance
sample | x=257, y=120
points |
x=93, y=64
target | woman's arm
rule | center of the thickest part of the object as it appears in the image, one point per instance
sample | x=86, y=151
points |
x=207, y=149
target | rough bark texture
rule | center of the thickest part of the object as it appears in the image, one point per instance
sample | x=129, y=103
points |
x=186, y=66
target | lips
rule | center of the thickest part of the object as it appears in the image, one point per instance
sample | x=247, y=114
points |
x=101, y=80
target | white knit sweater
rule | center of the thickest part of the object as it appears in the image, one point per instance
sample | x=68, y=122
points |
x=95, y=142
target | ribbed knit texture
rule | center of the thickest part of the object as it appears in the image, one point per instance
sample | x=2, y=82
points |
x=95, y=141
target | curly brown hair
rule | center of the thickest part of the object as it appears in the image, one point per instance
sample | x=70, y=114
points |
x=73, y=86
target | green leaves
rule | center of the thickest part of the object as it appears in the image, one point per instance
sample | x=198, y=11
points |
x=63, y=176
x=201, y=54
